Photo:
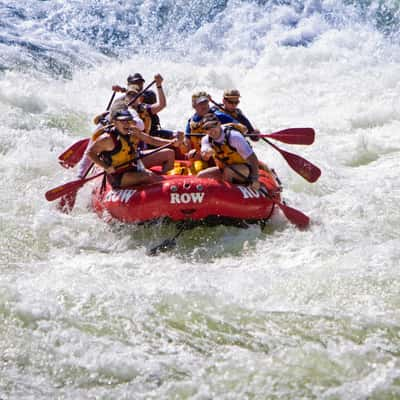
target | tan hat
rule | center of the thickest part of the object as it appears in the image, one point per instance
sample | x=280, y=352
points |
x=231, y=94
x=199, y=97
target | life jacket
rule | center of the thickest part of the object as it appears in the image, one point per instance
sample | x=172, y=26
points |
x=125, y=149
x=146, y=117
x=100, y=130
x=196, y=128
x=225, y=153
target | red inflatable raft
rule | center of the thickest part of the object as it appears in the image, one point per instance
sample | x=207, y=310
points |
x=188, y=198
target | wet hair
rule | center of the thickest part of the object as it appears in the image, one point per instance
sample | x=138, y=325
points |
x=149, y=97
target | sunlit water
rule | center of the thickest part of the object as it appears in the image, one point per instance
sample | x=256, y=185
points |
x=229, y=314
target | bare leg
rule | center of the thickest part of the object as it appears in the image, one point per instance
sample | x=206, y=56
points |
x=136, y=178
x=212, y=172
x=239, y=172
x=85, y=163
x=165, y=157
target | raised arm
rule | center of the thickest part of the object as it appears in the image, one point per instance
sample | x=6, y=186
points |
x=161, y=100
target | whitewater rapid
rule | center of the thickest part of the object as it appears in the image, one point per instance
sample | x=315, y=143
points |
x=230, y=313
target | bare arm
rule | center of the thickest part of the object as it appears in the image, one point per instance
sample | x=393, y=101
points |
x=155, y=141
x=102, y=144
x=161, y=100
x=252, y=160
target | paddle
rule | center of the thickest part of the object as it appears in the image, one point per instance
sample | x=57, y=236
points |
x=74, y=186
x=296, y=217
x=140, y=93
x=305, y=168
x=304, y=136
x=73, y=154
x=167, y=244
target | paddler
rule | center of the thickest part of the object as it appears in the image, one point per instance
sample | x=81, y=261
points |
x=115, y=151
x=230, y=101
x=194, y=129
x=103, y=121
x=235, y=159
x=134, y=79
x=149, y=105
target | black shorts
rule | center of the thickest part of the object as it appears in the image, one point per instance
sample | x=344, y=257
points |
x=115, y=179
x=244, y=179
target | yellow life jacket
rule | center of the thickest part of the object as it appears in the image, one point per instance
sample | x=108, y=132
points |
x=225, y=153
x=196, y=128
x=145, y=115
x=125, y=149
x=179, y=169
x=198, y=166
x=98, y=132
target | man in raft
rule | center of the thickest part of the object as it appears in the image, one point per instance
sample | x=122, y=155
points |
x=230, y=101
x=149, y=104
x=102, y=122
x=235, y=158
x=117, y=148
x=194, y=130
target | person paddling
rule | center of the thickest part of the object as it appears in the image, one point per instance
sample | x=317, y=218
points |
x=134, y=79
x=194, y=130
x=103, y=120
x=235, y=158
x=149, y=105
x=116, y=149
x=230, y=101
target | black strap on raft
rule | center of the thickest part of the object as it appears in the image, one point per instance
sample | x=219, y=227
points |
x=103, y=183
x=167, y=244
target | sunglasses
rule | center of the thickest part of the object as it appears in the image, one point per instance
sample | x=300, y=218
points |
x=211, y=126
x=232, y=101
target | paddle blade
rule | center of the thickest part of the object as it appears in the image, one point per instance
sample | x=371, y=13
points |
x=304, y=136
x=305, y=168
x=166, y=245
x=68, y=188
x=64, y=189
x=296, y=217
x=73, y=154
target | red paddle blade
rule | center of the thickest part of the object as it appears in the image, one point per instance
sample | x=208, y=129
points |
x=68, y=188
x=305, y=168
x=296, y=217
x=63, y=190
x=73, y=154
x=303, y=136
